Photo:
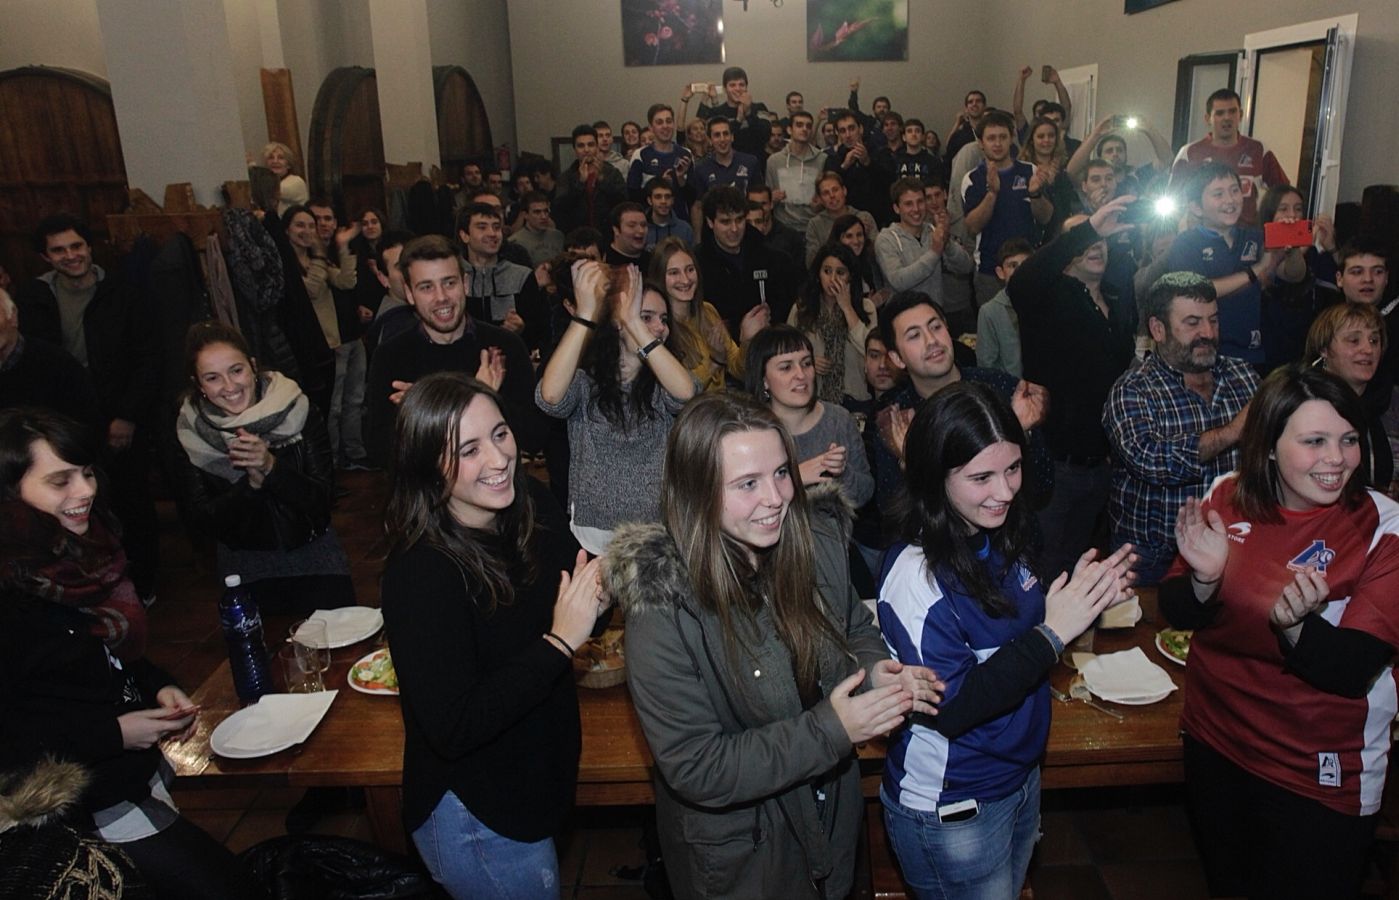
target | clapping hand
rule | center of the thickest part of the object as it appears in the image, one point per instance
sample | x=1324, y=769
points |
x=1307, y=593
x=877, y=711
x=589, y=287
x=492, y=369
x=1030, y=403
x=893, y=423
x=830, y=464
x=993, y=178
x=1202, y=541
x=1074, y=602
x=580, y=601
x=920, y=681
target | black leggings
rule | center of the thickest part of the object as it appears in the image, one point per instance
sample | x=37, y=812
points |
x=183, y=862
x=1265, y=842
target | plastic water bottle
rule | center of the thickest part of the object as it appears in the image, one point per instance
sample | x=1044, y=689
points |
x=242, y=629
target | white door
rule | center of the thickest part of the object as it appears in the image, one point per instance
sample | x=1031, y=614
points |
x=1294, y=83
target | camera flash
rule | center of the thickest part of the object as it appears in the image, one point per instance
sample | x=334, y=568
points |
x=1132, y=122
x=1165, y=207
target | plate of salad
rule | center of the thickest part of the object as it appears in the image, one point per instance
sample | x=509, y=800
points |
x=374, y=674
x=1174, y=645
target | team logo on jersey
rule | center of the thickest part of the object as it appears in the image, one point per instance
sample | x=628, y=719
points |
x=1020, y=184
x=1207, y=254
x=1027, y=578
x=1245, y=161
x=1250, y=253
x=1328, y=769
x=1315, y=558
x=1240, y=530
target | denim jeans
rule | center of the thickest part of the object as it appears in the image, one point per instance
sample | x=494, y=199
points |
x=471, y=861
x=981, y=858
x=346, y=416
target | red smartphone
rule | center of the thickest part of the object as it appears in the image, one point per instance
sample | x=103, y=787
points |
x=1282, y=235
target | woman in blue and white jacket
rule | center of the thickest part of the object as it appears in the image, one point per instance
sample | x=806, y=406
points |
x=961, y=790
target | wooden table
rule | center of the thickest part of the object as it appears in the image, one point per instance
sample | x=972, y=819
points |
x=360, y=741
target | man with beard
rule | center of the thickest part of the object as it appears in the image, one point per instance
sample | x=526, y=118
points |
x=1175, y=422
x=447, y=339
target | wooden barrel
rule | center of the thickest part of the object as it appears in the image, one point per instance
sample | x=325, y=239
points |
x=463, y=128
x=346, y=154
x=59, y=152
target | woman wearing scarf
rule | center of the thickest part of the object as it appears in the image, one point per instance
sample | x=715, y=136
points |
x=255, y=474
x=836, y=322
x=83, y=713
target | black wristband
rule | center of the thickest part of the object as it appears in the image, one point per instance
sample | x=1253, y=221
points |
x=1252, y=275
x=586, y=323
x=565, y=644
x=647, y=350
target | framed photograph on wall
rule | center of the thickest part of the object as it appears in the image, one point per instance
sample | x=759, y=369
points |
x=672, y=32
x=1136, y=6
x=846, y=30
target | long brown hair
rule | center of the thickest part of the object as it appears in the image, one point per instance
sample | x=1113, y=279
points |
x=724, y=581
x=422, y=474
x=686, y=348
x=1259, y=483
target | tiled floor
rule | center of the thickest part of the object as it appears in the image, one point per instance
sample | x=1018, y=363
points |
x=1128, y=844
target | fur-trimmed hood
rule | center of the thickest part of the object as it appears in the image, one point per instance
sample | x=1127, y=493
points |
x=643, y=568
x=41, y=794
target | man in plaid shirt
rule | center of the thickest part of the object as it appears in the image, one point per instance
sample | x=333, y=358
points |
x=1175, y=421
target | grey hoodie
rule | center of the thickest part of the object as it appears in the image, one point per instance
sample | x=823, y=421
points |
x=796, y=175
x=908, y=266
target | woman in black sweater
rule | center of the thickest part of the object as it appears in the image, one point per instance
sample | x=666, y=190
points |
x=79, y=689
x=482, y=641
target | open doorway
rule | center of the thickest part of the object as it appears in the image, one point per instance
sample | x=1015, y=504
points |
x=1294, y=83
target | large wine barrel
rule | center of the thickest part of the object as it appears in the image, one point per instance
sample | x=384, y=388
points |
x=59, y=152
x=346, y=153
x=463, y=128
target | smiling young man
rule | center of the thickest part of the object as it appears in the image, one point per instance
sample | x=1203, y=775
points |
x=1175, y=421
x=739, y=270
x=920, y=345
x=1231, y=255
x=723, y=166
x=661, y=220
x=1258, y=169
x=750, y=127
x=447, y=339
x=792, y=174
x=1002, y=198
x=498, y=291
x=110, y=329
x=662, y=158
x=831, y=195
x=852, y=158
x=589, y=188
x=915, y=251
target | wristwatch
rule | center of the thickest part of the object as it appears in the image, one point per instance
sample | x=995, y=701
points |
x=646, y=351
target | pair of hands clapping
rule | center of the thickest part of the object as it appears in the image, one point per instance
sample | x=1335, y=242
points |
x=1203, y=542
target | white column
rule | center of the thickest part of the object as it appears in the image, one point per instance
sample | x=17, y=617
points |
x=171, y=70
x=403, y=71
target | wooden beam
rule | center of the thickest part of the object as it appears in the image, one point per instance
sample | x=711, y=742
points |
x=279, y=104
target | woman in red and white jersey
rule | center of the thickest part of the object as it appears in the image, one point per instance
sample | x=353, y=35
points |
x=1289, y=572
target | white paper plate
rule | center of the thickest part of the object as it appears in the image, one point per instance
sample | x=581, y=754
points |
x=349, y=624
x=230, y=727
x=363, y=689
x=1138, y=701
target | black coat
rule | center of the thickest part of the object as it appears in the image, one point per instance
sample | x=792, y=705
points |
x=290, y=509
x=123, y=344
x=764, y=274
x=62, y=698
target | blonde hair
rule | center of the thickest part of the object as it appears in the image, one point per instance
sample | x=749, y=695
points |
x=290, y=157
x=1331, y=320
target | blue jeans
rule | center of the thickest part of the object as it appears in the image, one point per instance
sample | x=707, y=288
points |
x=981, y=858
x=470, y=860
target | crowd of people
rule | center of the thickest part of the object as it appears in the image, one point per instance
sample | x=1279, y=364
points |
x=770, y=364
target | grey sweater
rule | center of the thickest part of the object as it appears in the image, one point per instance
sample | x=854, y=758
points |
x=837, y=426
x=908, y=266
x=614, y=473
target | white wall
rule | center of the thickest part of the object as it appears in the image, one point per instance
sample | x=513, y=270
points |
x=558, y=86
x=475, y=34
x=245, y=40
x=52, y=33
